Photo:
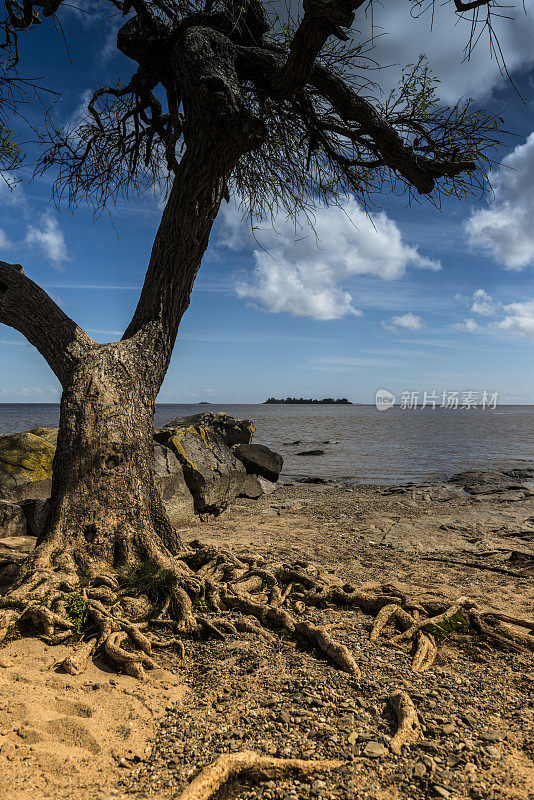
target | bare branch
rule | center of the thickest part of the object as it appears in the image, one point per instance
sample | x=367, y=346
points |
x=29, y=309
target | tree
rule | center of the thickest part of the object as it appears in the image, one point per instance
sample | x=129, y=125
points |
x=224, y=100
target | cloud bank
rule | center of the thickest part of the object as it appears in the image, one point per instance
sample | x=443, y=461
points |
x=505, y=229
x=303, y=270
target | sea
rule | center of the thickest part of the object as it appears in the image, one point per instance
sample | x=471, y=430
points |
x=359, y=443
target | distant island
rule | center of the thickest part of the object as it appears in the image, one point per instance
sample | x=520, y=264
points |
x=301, y=401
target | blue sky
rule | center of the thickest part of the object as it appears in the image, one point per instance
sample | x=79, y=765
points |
x=413, y=299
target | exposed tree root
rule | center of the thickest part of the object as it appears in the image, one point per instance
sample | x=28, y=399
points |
x=250, y=765
x=408, y=727
x=235, y=596
x=425, y=653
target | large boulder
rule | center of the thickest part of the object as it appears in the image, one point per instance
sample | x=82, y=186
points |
x=12, y=520
x=259, y=460
x=213, y=474
x=230, y=430
x=25, y=466
x=174, y=491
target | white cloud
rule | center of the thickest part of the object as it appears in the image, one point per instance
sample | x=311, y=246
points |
x=442, y=35
x=505, y=229
x=518, y=319
x=483, y=304
x=5, y=244
x=49, y=239
x=468, y=325
x=304, y=273
x=513, y=318
x=408, y=321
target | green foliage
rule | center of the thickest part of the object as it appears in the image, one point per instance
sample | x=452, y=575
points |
x=10, y=154
x=455, y=624
x=201, y=605
x=150, y=579
x=75, y=610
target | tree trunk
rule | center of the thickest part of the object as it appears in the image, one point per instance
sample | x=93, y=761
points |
x=106, y=510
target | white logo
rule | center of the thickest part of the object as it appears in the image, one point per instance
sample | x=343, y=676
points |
x=384, y=399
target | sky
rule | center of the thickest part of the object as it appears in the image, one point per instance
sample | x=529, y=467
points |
x=406, y=299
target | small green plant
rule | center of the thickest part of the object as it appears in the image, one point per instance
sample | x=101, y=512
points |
x=455, y=624
x=75, y=611
x=150, y=579
x=201, y=605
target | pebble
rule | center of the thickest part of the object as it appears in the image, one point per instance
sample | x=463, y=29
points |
x=441, y=791
x=470, y=720
x=419, y=770
x=375, y=750
x=449, y=728
x=493, y=752
x=490, y=736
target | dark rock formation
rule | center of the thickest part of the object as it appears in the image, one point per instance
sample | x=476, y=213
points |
x=493, y=481
x=36, y=511
x=259, y=460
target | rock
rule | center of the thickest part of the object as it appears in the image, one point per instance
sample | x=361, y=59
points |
x=493, y=752
x=170, y=480
x=311, y=453
x=12, y=519
x=419, y=770
x=213, y=475
x=375, y=750
x=25, y=466
x=36, y=512
x=490, y=736
x=491, y=481
x=231, y=431
x=21, y=544
x=255, y=486
x=450, y=727
x=50, y=434
x=259, y=460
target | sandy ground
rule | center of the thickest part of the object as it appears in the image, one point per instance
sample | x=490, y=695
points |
x=100, y=735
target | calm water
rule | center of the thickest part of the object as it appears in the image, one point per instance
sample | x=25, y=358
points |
x=364, y=444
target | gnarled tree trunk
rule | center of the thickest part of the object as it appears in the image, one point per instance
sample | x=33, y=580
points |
x=106, y=511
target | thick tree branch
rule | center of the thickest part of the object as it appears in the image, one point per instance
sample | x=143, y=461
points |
x=421, y=172
x=27, y=308
x=322, y=18
x=218, y=129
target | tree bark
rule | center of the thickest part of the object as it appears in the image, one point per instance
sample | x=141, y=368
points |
x=106, y=510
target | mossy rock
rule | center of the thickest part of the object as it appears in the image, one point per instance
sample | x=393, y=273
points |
x=24, y=458
x=50, y=434
x=214, y=476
